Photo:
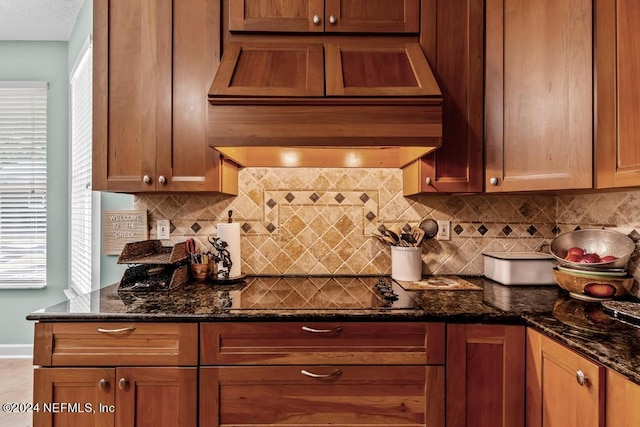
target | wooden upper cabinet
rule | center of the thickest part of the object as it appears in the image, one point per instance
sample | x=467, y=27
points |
x=539, y=95
x=256, y=69
x=349, y=16
x=153, y=64
x=372, y=16
x=132, y=84
x=618, y=101
x=563, y=388
x=276, y=15
x=452, y=37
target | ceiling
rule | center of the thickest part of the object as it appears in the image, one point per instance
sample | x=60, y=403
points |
x=38, y=19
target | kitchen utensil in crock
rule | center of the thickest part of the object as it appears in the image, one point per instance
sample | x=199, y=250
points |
x=386, y=232
x=418, y=235
x=407, y=235
x=430, y=228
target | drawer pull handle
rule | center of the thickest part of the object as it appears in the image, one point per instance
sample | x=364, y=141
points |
x=335, y=373
x=321, y=331
x=115, y=331
x=122, y=384
x=103, y=384
x=581, y=378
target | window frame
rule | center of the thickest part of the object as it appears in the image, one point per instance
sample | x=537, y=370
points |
x=40, y=280
x=85, y=55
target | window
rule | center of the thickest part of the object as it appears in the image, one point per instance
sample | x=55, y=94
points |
x=80, y=181
x=23, y=184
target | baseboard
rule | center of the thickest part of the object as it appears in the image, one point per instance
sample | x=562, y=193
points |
x=16, y=351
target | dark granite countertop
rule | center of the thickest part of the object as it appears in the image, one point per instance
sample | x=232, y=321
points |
x=580, y=325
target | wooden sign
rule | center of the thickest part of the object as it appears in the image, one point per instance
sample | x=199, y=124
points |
x=122, y=227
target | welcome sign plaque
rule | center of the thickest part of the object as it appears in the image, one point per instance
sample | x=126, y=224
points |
x=122, y=227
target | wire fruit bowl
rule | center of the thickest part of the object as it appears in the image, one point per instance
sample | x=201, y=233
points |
x=594, y=241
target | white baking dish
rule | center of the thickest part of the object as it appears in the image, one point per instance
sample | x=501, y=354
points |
x=519, y=268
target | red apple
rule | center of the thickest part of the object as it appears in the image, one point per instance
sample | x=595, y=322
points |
x=589, y=259
x=609, y=258
x=575, y=251
x=573, y=258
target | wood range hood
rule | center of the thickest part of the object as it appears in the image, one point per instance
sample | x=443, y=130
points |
x=340, y=102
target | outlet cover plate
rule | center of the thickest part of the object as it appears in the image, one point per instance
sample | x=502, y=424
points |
x=163, y=230
x=444, y=230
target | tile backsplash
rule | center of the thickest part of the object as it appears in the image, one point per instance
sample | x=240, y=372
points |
x=319, y=221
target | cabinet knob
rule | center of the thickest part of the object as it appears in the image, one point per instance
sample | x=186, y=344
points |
x=428, y=180
x=162, y=180
x=103, y=384
x=493, y=180
x=123, y=383
x=316, y=19
x=146, y=179
x=333, y=20
x=581, y=378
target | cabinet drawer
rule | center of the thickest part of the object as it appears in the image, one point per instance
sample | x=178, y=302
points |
x=322, y=343
x=115, y=344
x=343, y=395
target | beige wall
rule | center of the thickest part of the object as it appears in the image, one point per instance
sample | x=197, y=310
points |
x=319, y=221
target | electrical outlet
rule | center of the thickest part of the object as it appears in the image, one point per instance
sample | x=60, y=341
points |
x=163, y=229
x=444, y=230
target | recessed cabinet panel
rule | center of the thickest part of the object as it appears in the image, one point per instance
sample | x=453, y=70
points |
x=387, y=70
x=253, y=69
x=384, y=16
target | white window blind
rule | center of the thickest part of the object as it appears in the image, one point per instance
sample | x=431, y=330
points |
x=80, y=182
x=23, y=184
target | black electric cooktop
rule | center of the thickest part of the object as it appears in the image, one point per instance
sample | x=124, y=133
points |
x=319, y=293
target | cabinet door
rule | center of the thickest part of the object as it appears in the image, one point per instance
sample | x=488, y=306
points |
x=452, y=38
x=156, y=397
x=618, y=100
x=132, y=92
x=556, y=395
x=185, y=160
x=539, y=97
x=87, y=393
x=485, y=375
x=622, y=401
x=276, y=15
x=372, y=16
x=322, y=395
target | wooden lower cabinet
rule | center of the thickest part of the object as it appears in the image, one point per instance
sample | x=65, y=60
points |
x=563, y=388
x=154, y=397
x=485, y=375
x=622, y=401
x=342, y=395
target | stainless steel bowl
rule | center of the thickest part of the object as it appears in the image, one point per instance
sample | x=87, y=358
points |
x=599, y=241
